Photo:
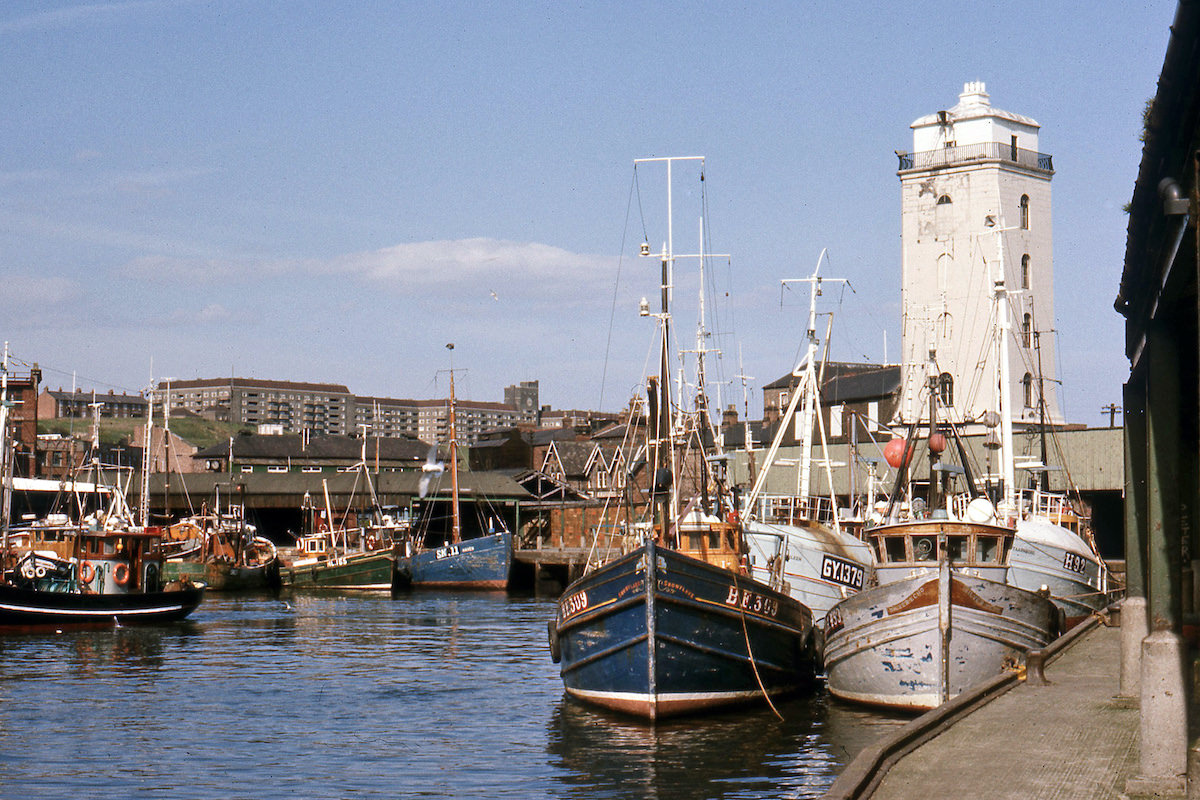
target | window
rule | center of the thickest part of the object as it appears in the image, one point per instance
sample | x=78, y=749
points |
x=946, y=389
x=247, y=468
x=944, y=200
x=1025, y=271
x=277, y=468
x=1027, y=386
x=1027, y=330
x=1025, y=212
x=1014, y=147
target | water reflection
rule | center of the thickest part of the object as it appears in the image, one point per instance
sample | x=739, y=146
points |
x=731, y=755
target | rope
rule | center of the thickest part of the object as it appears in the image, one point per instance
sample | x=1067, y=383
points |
x=750, y=653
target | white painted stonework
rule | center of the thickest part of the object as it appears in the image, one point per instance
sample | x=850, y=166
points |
x=963, y=181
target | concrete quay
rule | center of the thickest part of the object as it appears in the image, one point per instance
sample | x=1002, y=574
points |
x=1071, y=738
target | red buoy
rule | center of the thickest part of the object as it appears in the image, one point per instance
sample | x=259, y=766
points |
x=895, y=454
x=937, y=443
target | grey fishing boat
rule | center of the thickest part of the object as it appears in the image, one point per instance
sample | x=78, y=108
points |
x=943, y=618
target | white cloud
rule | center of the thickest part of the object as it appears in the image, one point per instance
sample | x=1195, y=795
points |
x=478, y=266
x=74, y=15
x=455, y=261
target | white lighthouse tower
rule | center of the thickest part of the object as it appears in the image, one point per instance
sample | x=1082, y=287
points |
x=975, y=210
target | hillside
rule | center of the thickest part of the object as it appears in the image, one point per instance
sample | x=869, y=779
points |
x=200, y=432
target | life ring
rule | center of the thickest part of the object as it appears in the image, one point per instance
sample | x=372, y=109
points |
x=87, y=572
x=27, y=570
x=371, y=542
x=121, y=573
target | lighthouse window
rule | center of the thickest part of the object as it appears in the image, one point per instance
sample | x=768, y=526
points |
x=1027, y=386
x=1025, y=271
x=1027, y=329
x=1025, y=212
x=946, y=389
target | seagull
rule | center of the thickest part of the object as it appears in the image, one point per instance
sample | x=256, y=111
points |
x=495, y=296
x=430, y=468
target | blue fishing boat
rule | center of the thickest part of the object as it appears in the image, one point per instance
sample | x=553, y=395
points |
x=432, y=559
x=659, y=633
x=481, y=563
x=677, y=624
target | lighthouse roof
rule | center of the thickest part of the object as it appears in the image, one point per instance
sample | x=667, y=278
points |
x=973, y=103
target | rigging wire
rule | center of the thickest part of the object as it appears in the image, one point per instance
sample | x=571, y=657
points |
x=612, y=314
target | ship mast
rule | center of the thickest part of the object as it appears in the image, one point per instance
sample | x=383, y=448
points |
x=6, y=466
x=456, y=519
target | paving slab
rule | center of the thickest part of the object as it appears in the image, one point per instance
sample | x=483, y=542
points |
x=1069, y=740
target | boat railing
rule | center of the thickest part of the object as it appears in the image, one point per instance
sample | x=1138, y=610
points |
x=1054, y=506
x=793, y=510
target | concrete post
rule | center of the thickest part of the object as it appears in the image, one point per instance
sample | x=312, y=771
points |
x=1164, y=726
x=1134, y=620
x=1164, y=740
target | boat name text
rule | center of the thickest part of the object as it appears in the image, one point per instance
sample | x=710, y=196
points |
x=573, y=605
x=1075, y=563
x=838, y=570
x=752, y=601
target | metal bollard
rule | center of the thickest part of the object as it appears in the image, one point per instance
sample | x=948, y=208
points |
x=1035, y=664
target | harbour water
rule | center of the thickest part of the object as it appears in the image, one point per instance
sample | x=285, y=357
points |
x=430, y=695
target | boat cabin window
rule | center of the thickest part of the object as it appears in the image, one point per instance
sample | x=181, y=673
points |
x=924, y=548
x=695, y=540
x=987, y=549
x=958, y=548
x=894, y=547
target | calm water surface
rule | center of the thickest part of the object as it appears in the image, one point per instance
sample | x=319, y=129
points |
x=431, y=695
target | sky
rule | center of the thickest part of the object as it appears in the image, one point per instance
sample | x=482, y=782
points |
x=333, y=192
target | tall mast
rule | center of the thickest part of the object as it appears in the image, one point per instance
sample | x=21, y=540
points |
x=456, y=520
x=6, y=489
x=1000, y=295
x=147, y=458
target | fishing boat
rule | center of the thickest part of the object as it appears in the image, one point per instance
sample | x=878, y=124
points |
x=942, y=619
x=221, y=549
x=111, y=575
x=342, y=554
x=799, y=538
x=677, y=624
x=345, y=551
x=1053, y=550
x=944, y=616
x=431, y=558
x=97, y=570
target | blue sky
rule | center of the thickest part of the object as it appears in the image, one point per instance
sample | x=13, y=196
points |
x=320, y=191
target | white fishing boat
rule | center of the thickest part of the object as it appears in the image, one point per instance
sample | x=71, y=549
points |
x=1054, y=551
x=798, y=538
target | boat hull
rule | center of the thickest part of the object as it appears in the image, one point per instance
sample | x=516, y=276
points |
x=372, y=571
x=657, y=633
x=224, y=577
x=1048, y=555
x=481, y=563
x=821, y=566
x=22, y=608
x=915, y=643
